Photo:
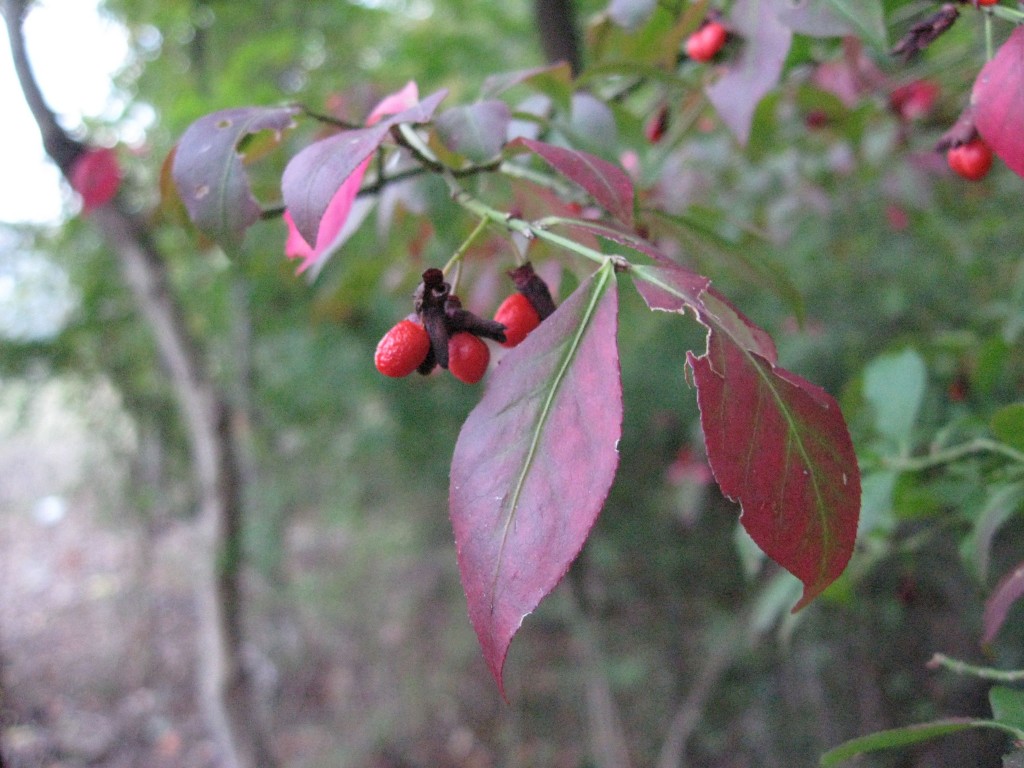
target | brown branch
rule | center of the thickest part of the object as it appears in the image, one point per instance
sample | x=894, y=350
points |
x=687, y=717
x=608, y=745
x=228, y=698
x=556, y=24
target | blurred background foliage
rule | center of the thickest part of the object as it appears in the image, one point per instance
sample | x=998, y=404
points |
x=838, y=230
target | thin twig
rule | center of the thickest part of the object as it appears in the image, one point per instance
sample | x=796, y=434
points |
x=985, y=673
x=978, y=445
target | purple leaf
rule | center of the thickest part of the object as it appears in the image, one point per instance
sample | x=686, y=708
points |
x=553, y=80
x=591, y=125
x=630, y=14
x=997, y=607
x=209, y=173
x=837, y=18
x=475, y=131
x=534, y=462
x=607, y=183
x=313, y=176
x=776, y=443
x=816, y=18
x=756, y=70
x=998, y=100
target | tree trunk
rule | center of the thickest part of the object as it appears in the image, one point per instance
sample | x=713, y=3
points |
x=227, y=696
x=556, y=24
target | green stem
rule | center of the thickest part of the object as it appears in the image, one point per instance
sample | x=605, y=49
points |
x=1007, y=14
x=548, y=182
x=989, y=47
x=979, y=445
x=985, y=673
x=328, y=119
x=460, y=252
x=529, y=230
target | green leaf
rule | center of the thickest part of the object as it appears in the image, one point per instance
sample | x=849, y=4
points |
x=1007, y=705
x=1008, y=425
x=1001, y=502
x=867, y=17
x=894, y=385
x=902, y=737
x=876, y=507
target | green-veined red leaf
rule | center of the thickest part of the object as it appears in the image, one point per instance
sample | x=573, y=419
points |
x=776, y=443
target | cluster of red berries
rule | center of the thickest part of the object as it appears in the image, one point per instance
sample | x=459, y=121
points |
x=707, y=41
x=443, y=333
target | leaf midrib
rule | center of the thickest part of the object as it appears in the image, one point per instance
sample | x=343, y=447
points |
x=601, y=280
x=710, y=322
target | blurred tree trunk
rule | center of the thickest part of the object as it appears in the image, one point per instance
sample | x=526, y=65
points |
x=4, y=724
x=556, y=23
x=225, y=686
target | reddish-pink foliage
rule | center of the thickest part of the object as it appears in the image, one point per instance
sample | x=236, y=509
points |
x=998, y=102
x=534, y=462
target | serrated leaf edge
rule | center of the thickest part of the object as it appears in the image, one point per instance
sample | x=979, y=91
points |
x=820, y=506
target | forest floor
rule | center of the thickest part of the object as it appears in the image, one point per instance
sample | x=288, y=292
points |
x=98, y=626
x=96, y=611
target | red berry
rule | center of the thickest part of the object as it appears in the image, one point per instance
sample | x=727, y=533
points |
x=468, y=357
x=914, y=100
x=402, y=349
x=95, y=175
x=518, y=316
x=703, y=44
x=971, y=160
x=987, y=2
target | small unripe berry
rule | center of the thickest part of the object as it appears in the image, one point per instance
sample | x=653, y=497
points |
x=707, y=41
x=518, y=316
x=971, y=160
x=402, y=349
x=468, y=357
x=656, y=125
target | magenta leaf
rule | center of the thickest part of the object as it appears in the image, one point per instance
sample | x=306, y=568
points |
x=756, y=70
x=209, y=173
x=315, y=174
x=776, y=443
x=997, y=607
x=475, y=131
x=998, y=100
x=606, y=182
x=534, y=462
